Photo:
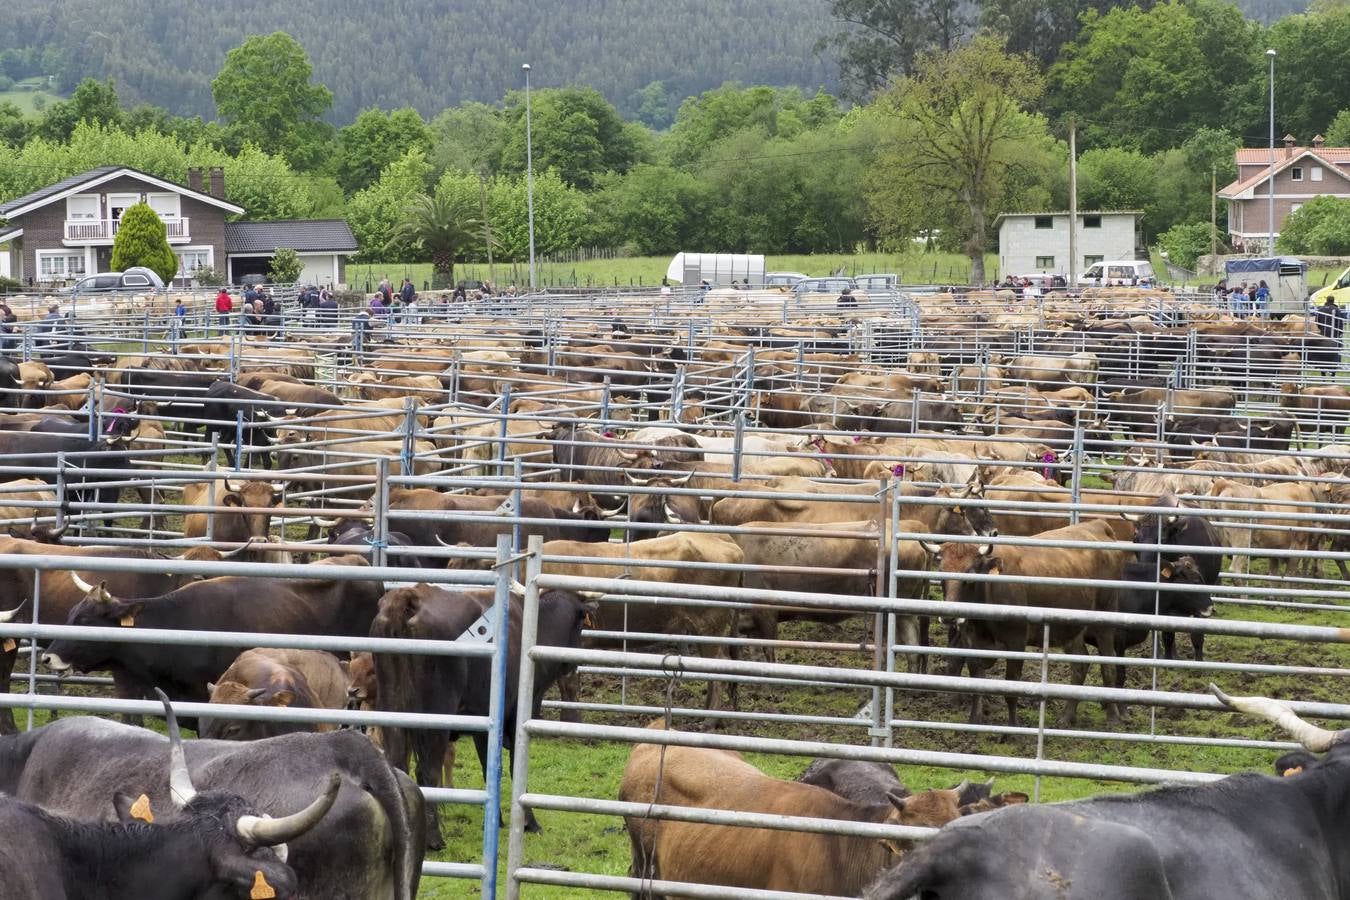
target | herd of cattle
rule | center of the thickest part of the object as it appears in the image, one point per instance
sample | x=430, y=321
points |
x=756, y=457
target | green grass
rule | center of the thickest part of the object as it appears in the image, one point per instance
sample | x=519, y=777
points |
x=648, y=270
x=27, y=101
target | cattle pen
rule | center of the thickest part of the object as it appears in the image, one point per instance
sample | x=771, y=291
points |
x=954, y=532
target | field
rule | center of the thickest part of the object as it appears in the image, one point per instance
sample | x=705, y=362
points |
x=648, y=270
x=28, y=96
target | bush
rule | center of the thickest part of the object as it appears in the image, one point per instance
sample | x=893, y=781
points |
x=1185, y=243
x=208, y=276
x=10, y=285
x=140, y=241
x=286, y=266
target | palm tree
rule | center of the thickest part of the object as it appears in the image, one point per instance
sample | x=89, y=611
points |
x=441, y=228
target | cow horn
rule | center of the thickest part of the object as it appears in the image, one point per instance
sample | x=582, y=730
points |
x=278, y=487
x=229, y=488
x=672, y=517
x=237, y=550
x=985, y=549
x=263, y=832
x=933, y=549
x=634, y=480
x=325, y=523
x=627, y=454
x=681, y=480
x=80, y=583
x=8, y=615
x=1318, y=740
x=181, y=790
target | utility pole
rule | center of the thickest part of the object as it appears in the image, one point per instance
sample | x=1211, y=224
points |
x=1073, y=202
x=487, y=225
x=1214, y=217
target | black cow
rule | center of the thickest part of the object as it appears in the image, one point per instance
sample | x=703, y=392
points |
x=232, y=603
x=217, y=847
x=455, y=684
x=1187, y=531
x=1148, y=599
x=1245, y=837
x=661, y=509
x=221, y=407
x=368, y=847
x=354, y=532
x=41, y=449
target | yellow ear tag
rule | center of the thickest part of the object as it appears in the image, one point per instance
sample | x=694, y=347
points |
x=261, y=889
x=141, y=809
x=127, y=621
x=9, y=645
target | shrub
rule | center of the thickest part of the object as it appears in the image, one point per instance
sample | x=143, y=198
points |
x=286, y=266
x=140, y=241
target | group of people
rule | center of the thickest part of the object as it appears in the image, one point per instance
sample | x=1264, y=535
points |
x=1244, y=299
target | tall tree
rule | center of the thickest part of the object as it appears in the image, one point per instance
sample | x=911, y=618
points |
x=443, y=230
x=373, y=141
x=574, y=130
x=883, y=38
x=141, y=241
x=93, y=101
x=264, y=94
x=964, y=140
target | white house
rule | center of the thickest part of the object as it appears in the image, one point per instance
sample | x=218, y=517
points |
x=1039, y=242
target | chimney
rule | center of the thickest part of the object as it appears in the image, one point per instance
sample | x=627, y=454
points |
x=194, y=181
x=218, y=182
x=1289, y=143
x=1318, y=141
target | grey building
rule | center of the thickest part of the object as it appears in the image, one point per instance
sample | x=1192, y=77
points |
x=1029, y=243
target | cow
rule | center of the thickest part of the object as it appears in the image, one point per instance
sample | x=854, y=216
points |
x=231, y=527
x=315, y=605
x=304, y=679
x=490, y=519
x=369, y=386
x=1147, y=598
x=1186, y=530
x=217, y=846
x=805, y=550
x=35, y=379
x=1050, y=371
x=664, y=509
x=670, y=618
x=355, y=532
x=221, y=408
x=756, y=858
x=368, y=847
x=42, y=450
x=1319, y=408
x=59, y=594
x=15, y=497
x=354, y=457
x=363, y=693
x=457, y=685
x=1292, y=500
x=1228, y=838
x=588, y=456
x=1047, y=562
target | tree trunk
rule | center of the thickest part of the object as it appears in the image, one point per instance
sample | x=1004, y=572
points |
x=975, y=244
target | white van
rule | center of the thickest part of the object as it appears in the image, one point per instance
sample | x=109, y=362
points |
x=1119, y=272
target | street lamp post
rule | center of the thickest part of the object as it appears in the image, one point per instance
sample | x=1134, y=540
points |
x=529, y=174
x=1270, y=209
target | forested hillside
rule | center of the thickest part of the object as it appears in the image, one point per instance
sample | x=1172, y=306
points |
x=431, y=54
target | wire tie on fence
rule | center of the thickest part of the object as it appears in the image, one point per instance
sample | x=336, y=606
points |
x=377, y=543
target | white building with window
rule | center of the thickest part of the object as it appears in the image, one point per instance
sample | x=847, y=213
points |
x=1031, y=243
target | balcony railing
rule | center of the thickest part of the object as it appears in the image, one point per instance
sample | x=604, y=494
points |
x=92, y=231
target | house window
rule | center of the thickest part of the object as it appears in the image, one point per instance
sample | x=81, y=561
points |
x=1316, y=173
x=1045, y=262
x=82, y=206
x=57, y=264
x=1296, y=173
x=165, y=205
x=1092, y=221
x=1092, y=259
x=190, y=259
x=1045, y=221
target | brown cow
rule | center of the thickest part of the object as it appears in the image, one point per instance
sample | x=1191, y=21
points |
x=231, y=527
x=757, y=858
x=1045, y=562
x=1290, y=499
x=15, y=497
x=304, y=679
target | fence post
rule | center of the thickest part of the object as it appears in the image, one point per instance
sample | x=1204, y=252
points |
x=502, y=432
x=379, y=538
x=238, y=439
x=1076, y=486
x=520, y=752
x=1040, y=721
x=492, y=778
x=409, y=434
x=738, y=446
x=879, y=731
x=32, y=643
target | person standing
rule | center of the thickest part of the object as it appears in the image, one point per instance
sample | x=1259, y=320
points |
x=1261, y=300
x=1330, y=319
x=7, y=320
x=224, y=306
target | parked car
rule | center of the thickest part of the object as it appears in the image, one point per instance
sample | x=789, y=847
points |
x=1119, y=272
x=782, y=279
x=254, y=280
x=833, y=285
x=135, y=280
x=887, y=282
